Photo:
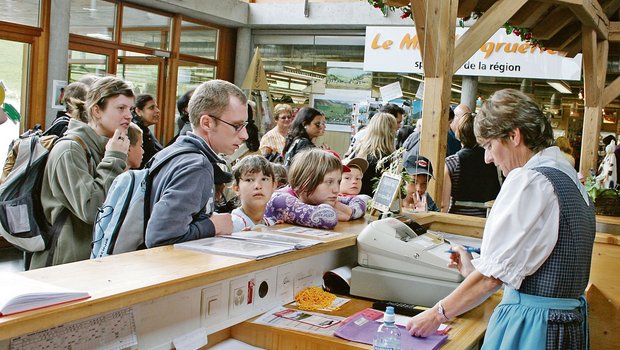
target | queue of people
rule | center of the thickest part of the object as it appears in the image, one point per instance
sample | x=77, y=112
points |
x=537, y=240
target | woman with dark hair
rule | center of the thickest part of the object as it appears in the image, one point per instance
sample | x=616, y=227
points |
x=146, y=113
x=308, y=125
x=183, y=124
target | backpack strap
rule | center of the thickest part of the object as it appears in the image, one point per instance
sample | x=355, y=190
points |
x=54, y=233
x=154, y=166
x=89, y=155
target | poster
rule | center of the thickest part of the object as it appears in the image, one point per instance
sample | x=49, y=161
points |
x=58, y=94
x=348, y=76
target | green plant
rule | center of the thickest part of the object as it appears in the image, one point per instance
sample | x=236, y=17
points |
x=391, y=164
x=594, y=191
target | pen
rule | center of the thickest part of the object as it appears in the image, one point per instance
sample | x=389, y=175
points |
x=467, y=249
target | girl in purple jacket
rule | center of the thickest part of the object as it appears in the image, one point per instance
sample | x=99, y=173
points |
x=311, y=199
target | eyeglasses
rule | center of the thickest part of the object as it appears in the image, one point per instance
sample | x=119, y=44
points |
x=285, y=117
x=237, y=127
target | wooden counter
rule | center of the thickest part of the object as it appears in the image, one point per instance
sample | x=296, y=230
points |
x=124, y=280
x=467, y=331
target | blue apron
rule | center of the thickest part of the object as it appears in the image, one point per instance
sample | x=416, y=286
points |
x=520, y=320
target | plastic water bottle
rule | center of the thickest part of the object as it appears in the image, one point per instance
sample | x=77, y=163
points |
x=388, y=334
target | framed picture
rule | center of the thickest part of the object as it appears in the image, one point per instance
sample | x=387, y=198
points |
x=58, y=94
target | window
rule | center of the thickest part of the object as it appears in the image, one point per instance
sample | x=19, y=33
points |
x=24, y=12
x=14, y=74
x=92, y=18
x=146, y=29
x=198, y=40
x=84, y=63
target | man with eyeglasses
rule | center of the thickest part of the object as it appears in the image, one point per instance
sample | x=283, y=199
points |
x=182, y=194
x=272, y=143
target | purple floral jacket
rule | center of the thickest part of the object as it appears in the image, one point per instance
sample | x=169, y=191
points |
x=286, y=206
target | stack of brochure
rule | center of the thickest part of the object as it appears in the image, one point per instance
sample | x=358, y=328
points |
x=249, y=244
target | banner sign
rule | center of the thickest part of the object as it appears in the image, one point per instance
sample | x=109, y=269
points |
x=396, y=49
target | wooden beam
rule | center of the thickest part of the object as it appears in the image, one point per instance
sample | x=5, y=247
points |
x=431, y=45
x=589, y=140
x=466, y=7
x=614, y=32
x=564, y=37
x=483, y=29
x=418, y=10
x=530, y=14
x=397, y=3
x=611, y=92
x=591, y=14
x=589, y=66
x=437, y=88
x=572, y=49
x=594, y=71
x=558, y=18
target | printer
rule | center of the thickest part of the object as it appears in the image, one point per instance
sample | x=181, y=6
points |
x=398, y=265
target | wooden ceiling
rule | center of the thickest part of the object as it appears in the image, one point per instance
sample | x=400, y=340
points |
x=557, y=23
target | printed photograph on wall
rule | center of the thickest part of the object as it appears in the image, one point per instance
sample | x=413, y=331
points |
x=58, y=95
x=338, y=104
x=348, y=76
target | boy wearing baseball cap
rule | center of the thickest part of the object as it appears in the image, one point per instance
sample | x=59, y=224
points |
x=421, y=172
x=351, y=182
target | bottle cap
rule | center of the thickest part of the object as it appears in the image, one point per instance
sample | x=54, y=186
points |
x=388, y=316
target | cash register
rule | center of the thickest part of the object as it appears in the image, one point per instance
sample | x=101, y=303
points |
x=397, y=264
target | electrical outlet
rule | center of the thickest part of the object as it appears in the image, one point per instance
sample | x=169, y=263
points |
x=240, y=299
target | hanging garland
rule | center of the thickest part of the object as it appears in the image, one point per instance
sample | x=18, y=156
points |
x=524, y=33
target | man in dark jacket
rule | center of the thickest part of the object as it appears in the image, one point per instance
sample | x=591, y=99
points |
x=182, y=193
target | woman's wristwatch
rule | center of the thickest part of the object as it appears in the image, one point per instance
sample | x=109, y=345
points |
x=442, y=312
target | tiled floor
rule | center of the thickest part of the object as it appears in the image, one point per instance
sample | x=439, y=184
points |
x=11, y=260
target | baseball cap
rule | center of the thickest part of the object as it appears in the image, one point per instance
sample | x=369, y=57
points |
x=345, y=169
x=360, y=163
x=418, y=165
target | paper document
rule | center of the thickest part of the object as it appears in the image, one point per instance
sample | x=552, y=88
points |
x=271, y=238
x=311, y=232
x=235, y=247
x=273, y=318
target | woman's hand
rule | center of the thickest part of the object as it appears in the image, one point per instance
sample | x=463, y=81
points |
x=424, y=324
x=461, y=260
x=119, y=142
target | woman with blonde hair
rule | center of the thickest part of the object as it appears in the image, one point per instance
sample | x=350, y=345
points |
x=80, y=171
x=272, y=143
x=376, y=144
x=564, y=145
